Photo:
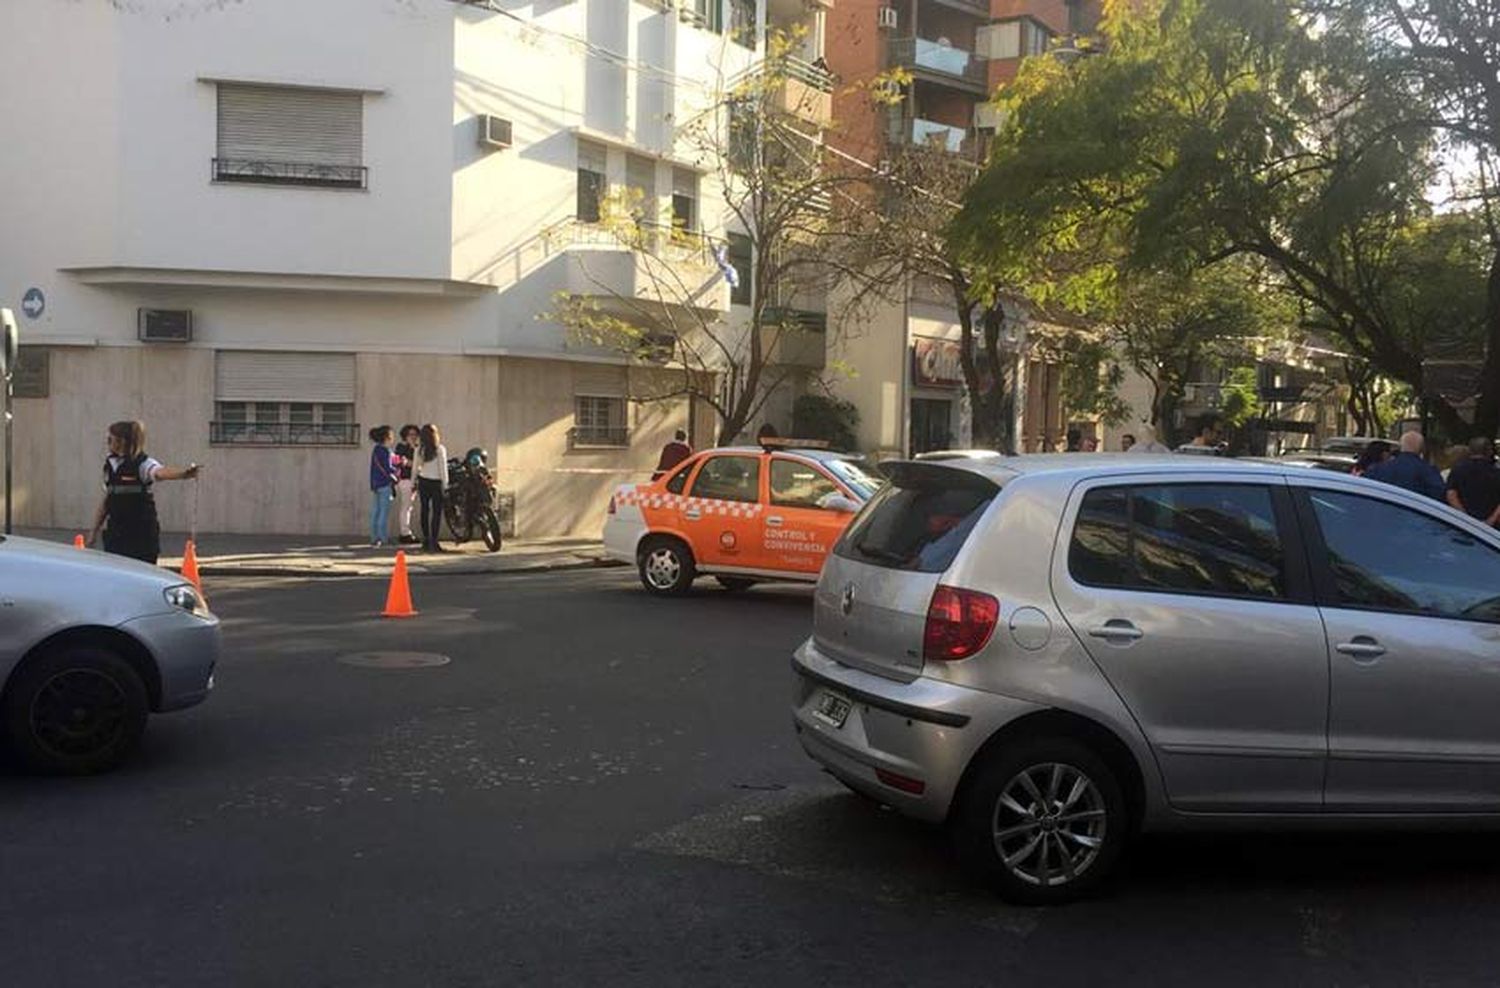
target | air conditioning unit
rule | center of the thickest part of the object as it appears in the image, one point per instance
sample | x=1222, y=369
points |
x=164, y=325
x=886, y=18
x=494, y=132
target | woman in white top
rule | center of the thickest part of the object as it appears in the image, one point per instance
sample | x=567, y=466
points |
x=431, y=473
x=129, y=508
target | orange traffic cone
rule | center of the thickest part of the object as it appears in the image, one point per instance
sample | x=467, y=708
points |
x=190, y=567
x=398, y=599
x=78, y=542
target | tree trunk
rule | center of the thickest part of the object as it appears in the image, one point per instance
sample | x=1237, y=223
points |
x=1487, y=409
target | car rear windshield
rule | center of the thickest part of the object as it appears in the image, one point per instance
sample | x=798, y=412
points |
x=920, y=520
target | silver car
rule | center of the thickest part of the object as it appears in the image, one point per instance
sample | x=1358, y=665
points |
x=89, y=644
x=1052, y=653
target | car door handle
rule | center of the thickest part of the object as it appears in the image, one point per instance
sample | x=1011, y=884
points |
x=692, y=514
x=1361, y=647
x=1122, y=631
x=774, y=520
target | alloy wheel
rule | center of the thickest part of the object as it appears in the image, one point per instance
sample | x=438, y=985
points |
x=663, y=568
x=78, y=712
x=1049, y=824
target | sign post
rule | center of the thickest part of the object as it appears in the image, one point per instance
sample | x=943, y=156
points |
x=10, y=348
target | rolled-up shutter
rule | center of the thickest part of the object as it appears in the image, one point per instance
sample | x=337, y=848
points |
x=294, y=125
x=242, y=375
x=602, y=380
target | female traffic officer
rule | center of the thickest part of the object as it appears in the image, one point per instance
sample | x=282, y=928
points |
x=127, y=514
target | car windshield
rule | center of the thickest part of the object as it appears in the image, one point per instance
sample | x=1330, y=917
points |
x=859, y=475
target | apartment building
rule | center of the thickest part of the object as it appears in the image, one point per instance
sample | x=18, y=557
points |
x=956, y=53
x=264, y=227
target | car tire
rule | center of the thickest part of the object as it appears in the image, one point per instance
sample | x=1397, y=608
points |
x=735, y=584
x=1044, y=820
x=76, y=710
x=666, y=567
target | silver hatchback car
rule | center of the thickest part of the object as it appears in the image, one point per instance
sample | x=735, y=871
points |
x=89, y=645
x=1052, y=653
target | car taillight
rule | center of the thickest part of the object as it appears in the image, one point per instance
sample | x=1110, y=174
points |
x=611, y=505
x=959, y=623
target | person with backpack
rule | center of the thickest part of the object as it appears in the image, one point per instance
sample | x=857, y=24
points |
x=127, y=514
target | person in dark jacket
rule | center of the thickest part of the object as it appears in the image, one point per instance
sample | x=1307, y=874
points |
x=406, y=487
x=1375, y=451
x=1474, y=483
x=1407, y=469
x=383, y=477
x=127, y=515
x=672, y=454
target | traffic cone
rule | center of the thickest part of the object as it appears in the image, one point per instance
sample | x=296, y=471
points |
x=190, y=567
x=78, y=542
x=398, y=598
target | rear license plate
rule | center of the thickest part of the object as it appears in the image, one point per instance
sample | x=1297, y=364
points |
x=832, y=709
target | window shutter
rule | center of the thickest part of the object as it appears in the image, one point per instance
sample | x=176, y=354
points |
x=316, y=377
x=603, y=380
x=287, y=124
x=684, y=183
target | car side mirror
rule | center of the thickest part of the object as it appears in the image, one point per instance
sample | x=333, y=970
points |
x=839, y=503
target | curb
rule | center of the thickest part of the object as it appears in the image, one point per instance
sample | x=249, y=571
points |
x=252, y=570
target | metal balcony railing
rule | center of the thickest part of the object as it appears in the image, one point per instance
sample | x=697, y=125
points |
x=252, y=172
x=920, y=132
x=598, y=437
x=936, y=57
x=807, y=73
x=661, y=239
x=283, y=434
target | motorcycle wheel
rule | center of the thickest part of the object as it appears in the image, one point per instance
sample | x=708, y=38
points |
x=489, y=526
x=456, y=523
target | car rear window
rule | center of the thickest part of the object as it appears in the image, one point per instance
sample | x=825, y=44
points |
x=920, y=520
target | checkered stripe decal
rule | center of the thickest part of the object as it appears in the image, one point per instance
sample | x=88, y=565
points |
x=657, y=500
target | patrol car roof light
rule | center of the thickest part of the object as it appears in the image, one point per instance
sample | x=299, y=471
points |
x=772, y=445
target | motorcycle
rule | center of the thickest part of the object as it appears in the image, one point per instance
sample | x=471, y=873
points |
x=470, y=501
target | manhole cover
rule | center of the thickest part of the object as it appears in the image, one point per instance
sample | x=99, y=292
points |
x=394, y=660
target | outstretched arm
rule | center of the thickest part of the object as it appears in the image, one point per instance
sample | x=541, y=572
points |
x=177, y=473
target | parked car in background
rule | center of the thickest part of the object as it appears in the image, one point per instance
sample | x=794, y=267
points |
x=1053, y=653
x=89, y=645
x=742, y=515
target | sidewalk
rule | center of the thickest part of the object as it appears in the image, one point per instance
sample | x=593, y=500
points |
x=311, y=555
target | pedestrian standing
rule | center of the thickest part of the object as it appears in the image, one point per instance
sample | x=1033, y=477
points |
x=383, y=477
x=1126, y=442
x=432, y=479
x=1474, y=483
x=1147, y=443
x=672, y=454
x=1408, y=470
x=1075, y=441
x=406, y=488
x=127, y=515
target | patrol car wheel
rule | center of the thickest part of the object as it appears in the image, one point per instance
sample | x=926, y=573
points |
x=667, y=567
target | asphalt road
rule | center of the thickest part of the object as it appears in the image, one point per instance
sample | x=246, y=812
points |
x=602, y=788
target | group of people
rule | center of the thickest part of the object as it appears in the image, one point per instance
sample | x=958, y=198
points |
x=405, y=470
x=1472, y=484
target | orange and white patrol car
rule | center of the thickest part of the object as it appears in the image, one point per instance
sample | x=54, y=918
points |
x=742, y=515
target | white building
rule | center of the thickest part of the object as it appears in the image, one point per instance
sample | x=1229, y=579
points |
x=264, y=227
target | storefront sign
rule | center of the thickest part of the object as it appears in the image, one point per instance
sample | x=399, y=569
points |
x=936, y=363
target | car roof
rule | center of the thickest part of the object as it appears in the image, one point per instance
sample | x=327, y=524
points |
x=1005, y=468
x=823, y=455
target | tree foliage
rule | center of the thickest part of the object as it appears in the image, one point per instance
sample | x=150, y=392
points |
x=1304, y=137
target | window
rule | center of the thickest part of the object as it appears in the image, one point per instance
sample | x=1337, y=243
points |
x=742, y=22
x=599, y=420
x=290, y=135
x=1219, y=539
x=1389, y=558
x=799, y=485
x=742, y=259
x=918, y=521
x=709, y=14
x=729, y=478
x=640, y=179
x=593, y=184
x=679, y=479
x=284, y=399
x=684, y=199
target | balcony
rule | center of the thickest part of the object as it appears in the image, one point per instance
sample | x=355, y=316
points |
x=243, y=171
x=920, y=132
x=641, y=269
x=941, y=62
x=805, y=92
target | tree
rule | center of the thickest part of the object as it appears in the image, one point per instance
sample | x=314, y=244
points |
x=777, y=190
x=1212, y=130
